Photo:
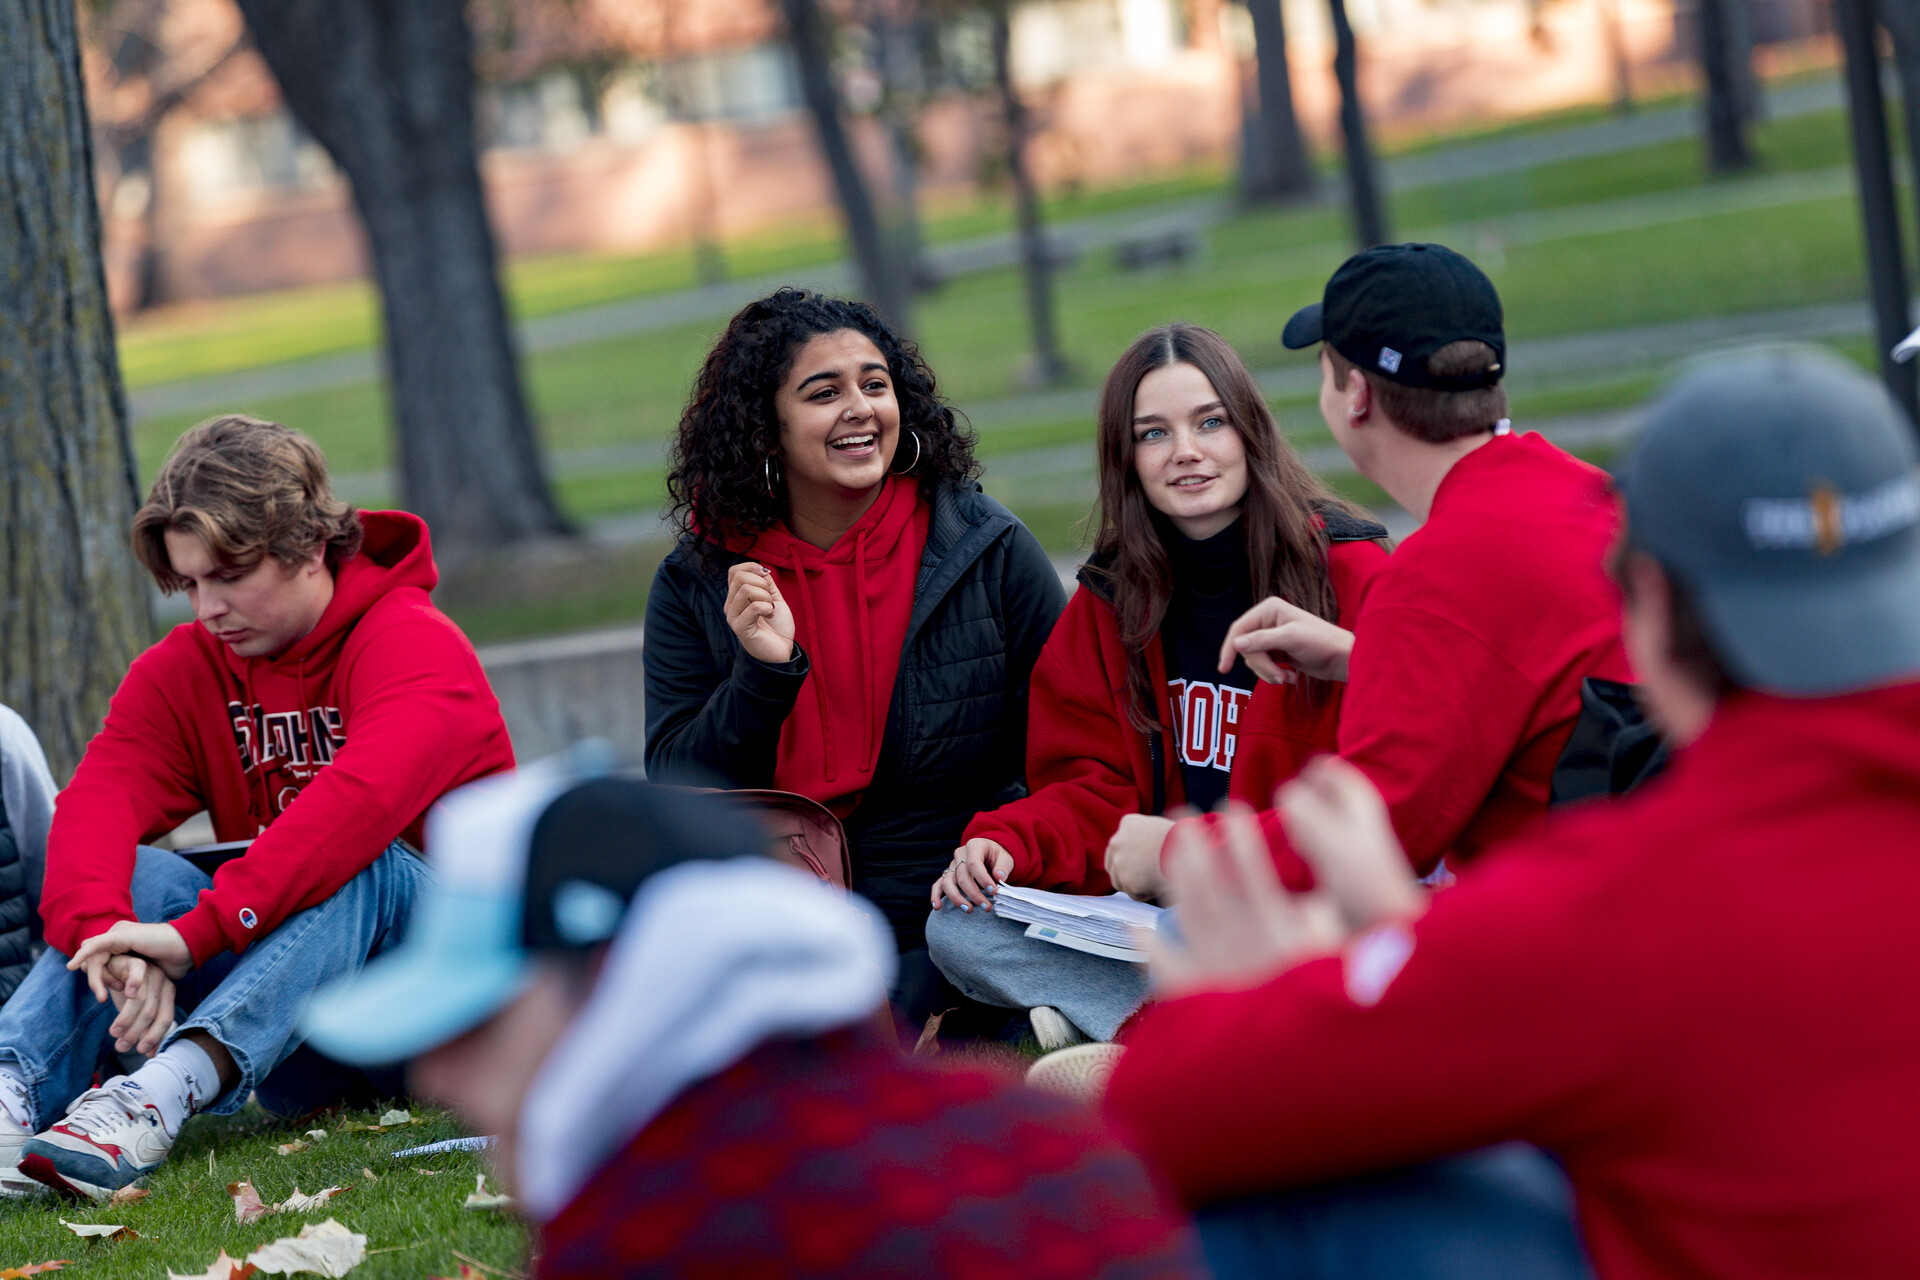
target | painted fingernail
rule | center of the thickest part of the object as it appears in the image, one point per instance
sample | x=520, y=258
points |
x=966, y=908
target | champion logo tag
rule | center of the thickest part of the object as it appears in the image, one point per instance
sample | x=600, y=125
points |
x=247, y=918
x=1389, y=359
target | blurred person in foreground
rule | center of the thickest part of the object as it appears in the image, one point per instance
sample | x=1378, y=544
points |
x=676, y=1040
x=1695, y=999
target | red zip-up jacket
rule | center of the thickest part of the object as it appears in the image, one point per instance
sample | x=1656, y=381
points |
x=1088, y=767
x=327, y=753
x=1700, y=998
x=1469, y=653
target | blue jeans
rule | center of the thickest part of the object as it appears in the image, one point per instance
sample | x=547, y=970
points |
x=1504, y=1213
x=992, y=960
x=54, y=1033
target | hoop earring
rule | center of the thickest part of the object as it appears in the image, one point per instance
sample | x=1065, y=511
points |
x=916, y=457
x=767, y=470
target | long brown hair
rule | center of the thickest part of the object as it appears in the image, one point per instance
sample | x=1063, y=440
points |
x=1286, y=545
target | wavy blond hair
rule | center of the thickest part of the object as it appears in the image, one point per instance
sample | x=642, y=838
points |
x=248, y=489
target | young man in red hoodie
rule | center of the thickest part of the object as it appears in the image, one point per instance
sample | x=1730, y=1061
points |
x=317, y=706
x=1696, y=998
x=1464, y=667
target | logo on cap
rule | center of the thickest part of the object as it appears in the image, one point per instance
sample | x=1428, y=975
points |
x=1827, y=519
x=1389, y=359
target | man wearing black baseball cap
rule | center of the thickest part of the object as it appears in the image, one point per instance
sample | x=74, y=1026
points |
x=1697, y=999
x=673, y=1036
x=1465, y=664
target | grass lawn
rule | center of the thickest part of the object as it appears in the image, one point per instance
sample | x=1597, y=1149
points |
x=410, y=1211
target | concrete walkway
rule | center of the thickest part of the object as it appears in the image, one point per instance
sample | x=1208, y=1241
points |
x=666, y=310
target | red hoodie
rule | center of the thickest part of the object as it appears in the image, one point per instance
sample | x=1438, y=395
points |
x=1468, y=656
x=327, y=753
x=851, y=604
x=1699, y=998
x=1087, y=765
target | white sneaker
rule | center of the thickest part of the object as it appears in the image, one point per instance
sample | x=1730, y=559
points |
x=111, y=1138
x=1053, y=1029
x=1080, y=1073
x=14, y=1185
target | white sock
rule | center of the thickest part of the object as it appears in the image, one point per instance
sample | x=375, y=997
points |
x=179, y=1080
x=15, y=1098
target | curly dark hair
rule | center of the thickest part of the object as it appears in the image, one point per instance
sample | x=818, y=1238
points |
x=729, y=429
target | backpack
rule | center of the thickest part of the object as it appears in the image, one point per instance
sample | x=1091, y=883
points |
x=1614, y=747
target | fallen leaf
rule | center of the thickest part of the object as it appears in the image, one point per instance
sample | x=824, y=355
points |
x=288, y=1148
x=127, y=1195
x=369, y=1174
x=429, y=1172
x=481, y=1198
x=297, y=1203
x=326, y=1249
x=316, y=1134
x=247, y=1205
x=100, y=1230
x=397, y=1117
x=223, y=1268
x=32, y=1269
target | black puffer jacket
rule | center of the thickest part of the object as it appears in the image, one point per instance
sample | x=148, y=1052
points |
x=985, y=600
x=16, y=913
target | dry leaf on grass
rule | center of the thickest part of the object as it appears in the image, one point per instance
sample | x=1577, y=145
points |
x=325, y=1249
x=127, y=1195
x=369, y=1174
x=388, y=1120
x=396, y=1117
x=32, y=1269
x=100, y=1230
x=297, y=1203
x=247, y=1205
x=481, y=1198
x=316, y=1134
x=223, y=1268
x=289, y=1148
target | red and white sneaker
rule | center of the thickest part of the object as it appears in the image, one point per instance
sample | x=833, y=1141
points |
x=112, y=1137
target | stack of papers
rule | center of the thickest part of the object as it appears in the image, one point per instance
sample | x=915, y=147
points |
x=1099, y=926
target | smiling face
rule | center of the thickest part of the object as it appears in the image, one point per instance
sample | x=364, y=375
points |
x=1190, y=459
x=839, y=420
x=255, y=612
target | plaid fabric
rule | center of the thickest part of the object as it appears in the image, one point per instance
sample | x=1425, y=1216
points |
x=837, y=1157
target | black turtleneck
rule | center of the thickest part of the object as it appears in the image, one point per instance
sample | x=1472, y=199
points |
x=1212, y=586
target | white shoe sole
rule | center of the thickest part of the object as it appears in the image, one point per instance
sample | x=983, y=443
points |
x=15, y=1185
x=1080, y=1073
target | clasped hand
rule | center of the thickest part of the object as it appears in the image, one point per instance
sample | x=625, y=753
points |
x=1239, y=926
x=135, y=965
x=758, y=613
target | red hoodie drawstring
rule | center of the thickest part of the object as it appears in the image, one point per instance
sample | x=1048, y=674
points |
x=818, y=676
x=866, y=646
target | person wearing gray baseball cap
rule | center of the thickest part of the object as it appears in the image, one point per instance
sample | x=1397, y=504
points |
x=1695, y=999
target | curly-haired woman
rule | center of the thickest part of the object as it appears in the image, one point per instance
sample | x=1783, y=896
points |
x=1204, y=509
x=846, y=614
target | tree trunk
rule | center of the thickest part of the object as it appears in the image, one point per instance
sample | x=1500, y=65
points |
x=1369, y=211
x=1036, y=257
x=1728, y=97
x=1278, y=166
x=387, y=88
x=74, y=605
x=880, y=281
x=898, y=37
x=1902, y=21
x=1614, y=32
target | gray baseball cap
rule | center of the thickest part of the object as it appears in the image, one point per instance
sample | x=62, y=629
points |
x=1779, y=487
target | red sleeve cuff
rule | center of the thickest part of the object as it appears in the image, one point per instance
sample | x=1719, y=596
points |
x=200, y=930
x=84, y=928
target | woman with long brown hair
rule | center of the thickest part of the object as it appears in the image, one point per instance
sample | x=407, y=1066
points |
x=1204, y=509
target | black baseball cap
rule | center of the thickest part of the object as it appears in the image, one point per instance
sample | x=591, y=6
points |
x=1779, y=487
x=536, y=862
x=1389, y=308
